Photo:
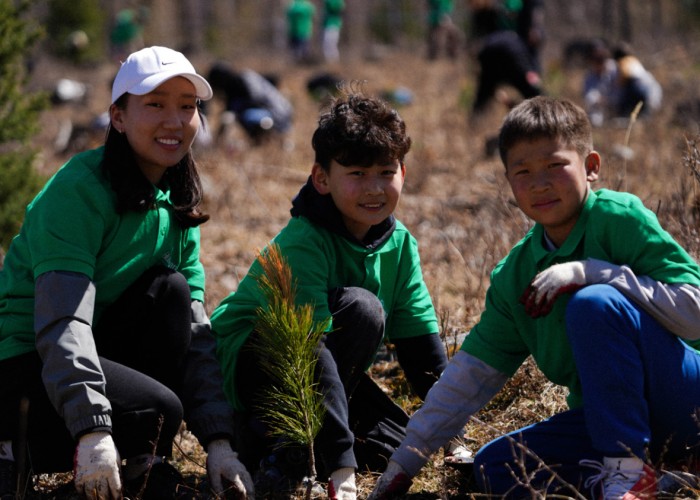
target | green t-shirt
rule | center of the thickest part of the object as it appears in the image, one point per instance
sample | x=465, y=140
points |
x=613, y=227
x=300, y=19
x=321, y=261
x=438, y=9
x=72, y=225
x=333, y=13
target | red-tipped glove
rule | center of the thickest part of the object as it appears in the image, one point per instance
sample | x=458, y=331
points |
x=549, y=284
x=96, y=467
x=394, y=483
x=341, y=485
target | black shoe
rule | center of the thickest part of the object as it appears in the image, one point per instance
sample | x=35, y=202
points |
x=8, y=480
x=270, y=480
x=282, y=475
x=281, y=472
x=161, y=482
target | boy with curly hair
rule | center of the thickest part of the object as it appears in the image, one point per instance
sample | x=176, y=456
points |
x=357, y=264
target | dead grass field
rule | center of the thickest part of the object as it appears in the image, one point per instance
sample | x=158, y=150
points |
x=455, y=200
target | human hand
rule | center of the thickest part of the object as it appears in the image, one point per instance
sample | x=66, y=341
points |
x=394, y=483
x=223, y=466
x=457, y=454
x=540, y=295
x=96, y=467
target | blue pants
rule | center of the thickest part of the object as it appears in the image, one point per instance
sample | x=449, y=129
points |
x=641, y=394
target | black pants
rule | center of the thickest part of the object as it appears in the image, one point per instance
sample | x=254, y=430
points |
x=141, y=341
x=504, y=60
x=362, y=426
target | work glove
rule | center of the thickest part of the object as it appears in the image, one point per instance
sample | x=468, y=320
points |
x=342, y=484
x=457, y=453
x=548, y=285
x=227, y=475
x=394, y=483
x=96, y=467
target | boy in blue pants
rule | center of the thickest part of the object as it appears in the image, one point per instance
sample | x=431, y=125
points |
x=607, y=304
x=358, y=265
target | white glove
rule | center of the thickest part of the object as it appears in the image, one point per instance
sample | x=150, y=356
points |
x=549, y=284
x=96, y=467
x=394, y=483
x=457, y=453
x=223, y=466
x=342, y=484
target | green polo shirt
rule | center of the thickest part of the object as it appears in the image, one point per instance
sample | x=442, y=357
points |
x=321, y=261
x=72, y=225
x=613, y=227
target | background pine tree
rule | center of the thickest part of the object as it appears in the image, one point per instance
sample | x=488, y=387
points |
x=19, y=113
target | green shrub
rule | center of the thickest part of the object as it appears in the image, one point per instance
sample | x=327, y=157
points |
x=19, y=113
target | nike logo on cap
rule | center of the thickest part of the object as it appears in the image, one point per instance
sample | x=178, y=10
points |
x=164, y=63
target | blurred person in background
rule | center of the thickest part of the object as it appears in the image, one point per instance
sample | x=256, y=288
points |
x=253, y=101
x=443, y=34
x=332, y=23
x=300, y=28
x=503, y=55
x=615, y=83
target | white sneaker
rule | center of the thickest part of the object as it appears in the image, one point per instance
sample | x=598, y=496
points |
x=626, y=478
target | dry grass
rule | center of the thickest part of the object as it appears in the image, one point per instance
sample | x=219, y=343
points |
x=455, y=202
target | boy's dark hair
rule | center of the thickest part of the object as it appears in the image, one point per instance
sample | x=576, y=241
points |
x=134, y=192
x=546, y=117
x=360, y=130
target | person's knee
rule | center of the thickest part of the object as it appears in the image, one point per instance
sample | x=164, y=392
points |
x=591, y=300
x=156, y=421
x=165, y=407
x=357, y=305
x=490, y=467
x=176, y=285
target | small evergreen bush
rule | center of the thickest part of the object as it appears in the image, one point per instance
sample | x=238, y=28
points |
x=19, y=118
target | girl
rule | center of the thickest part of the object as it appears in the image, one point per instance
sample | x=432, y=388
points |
x=102, y=326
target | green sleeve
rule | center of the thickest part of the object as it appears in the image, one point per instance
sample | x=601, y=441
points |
x=60, y=234
x=191, y=267
x=412, y=313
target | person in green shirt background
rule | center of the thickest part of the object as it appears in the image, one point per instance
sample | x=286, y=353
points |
x=103, y=330
x=332, y=24
x=300, y=28
x=443, y=34
x=608, y=305
x=357, y=264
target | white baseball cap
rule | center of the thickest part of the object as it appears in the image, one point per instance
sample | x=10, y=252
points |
x=147, y=68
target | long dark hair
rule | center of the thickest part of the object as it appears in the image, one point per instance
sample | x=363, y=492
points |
x=135, y=192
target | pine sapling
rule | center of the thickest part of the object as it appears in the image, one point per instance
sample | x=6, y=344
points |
x=286, y=343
